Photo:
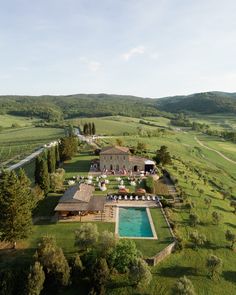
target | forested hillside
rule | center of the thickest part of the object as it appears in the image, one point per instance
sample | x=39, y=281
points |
x=55, y=108
x=207, y=102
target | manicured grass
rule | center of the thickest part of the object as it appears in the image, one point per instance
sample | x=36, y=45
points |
x=64, y=234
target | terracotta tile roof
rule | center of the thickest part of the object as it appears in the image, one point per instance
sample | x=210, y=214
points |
x=115, y=150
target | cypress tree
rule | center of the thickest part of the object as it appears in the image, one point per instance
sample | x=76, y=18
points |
x=93, y=129
x=57, y=156
x=16, y=203
x=51, y=160
x=89, y=128
x=37, y=169
x=44, y=181
x=36, y=279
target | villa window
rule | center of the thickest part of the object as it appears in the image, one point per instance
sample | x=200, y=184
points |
x=111, y=157
x=124, y=157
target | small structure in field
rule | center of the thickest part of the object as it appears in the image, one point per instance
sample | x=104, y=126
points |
x=78, y=200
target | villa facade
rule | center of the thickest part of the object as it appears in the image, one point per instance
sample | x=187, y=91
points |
x=116, y=158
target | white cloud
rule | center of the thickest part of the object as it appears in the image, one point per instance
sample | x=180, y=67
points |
x=92, y=65
x=139, y=50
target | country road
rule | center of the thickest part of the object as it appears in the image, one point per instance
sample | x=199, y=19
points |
x=213, y=150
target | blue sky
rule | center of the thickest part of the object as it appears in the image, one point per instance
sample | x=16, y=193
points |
x=150, y=48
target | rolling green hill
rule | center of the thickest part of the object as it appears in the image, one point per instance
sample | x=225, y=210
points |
x=55, y=108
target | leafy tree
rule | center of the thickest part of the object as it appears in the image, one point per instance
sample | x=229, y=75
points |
x=208, y=202
x=54, y=263
x=51, y=160
x=86, y=236
x=225, y=194
x=149, y=183
x=100, y=276
x=16, y=203
x=119, y=142
x=163, y=156
x=123, y=255
x=233, y=204
x=57, y=180
x=36, y=279
x=68, y=147
x=106, y=243
x=141, y=147
x=139, y=273
x=197, y=239
x=230, y=237
x=216, y=217
x=214, y=266
x=183, y=286
x=194, y=219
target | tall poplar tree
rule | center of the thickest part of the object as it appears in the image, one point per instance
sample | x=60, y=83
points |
x=16, y=203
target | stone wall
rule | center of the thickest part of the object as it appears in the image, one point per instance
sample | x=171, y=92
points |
x=161, y=255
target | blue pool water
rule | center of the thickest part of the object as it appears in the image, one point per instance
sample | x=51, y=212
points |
x=134, y=222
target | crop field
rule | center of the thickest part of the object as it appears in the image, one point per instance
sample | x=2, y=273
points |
x=22, y=141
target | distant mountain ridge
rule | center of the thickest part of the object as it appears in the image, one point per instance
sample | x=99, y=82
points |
x=54, y=108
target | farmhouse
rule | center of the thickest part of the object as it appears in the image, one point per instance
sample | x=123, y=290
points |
x=119, y=159
x=78, y=200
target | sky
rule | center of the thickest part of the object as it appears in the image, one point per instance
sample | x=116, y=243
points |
x=149, y=48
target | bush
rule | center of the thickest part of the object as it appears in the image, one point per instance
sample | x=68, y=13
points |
x=149, y=183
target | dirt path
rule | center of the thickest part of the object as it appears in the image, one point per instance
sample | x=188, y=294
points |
x=213, y=150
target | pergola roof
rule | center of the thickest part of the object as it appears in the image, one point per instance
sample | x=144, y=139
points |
x=96, y=203
x=79, y=198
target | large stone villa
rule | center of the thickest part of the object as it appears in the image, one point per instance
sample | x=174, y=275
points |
x=119, y=159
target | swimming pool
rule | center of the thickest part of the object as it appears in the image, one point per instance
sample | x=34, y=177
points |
x=134, y=222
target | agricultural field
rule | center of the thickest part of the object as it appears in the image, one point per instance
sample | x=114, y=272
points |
x=19, y=142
